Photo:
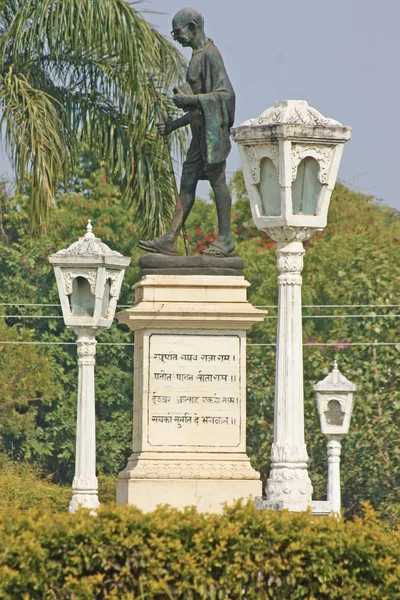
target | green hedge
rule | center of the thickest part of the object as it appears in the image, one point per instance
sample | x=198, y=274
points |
x=241, y=554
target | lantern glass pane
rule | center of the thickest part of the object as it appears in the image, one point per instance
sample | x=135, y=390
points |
x=82, y=299
x=306, y=188
x=334, y=415
x=269, y=188
x=106, y=299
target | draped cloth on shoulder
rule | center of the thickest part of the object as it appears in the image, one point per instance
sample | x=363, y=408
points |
x=217, y=100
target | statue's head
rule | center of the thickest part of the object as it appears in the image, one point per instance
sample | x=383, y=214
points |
x=187, y=25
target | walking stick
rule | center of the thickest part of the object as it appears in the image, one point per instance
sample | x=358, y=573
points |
x=161, y=116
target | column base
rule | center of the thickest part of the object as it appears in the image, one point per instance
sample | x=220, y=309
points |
x=321, y=508
x=84, y=500
x=290, y=487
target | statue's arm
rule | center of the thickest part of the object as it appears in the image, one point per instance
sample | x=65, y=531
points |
x=167, y=125
x=181, y=122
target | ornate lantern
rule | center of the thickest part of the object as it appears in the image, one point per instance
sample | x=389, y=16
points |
x=290, y=157
x=89, y=277
x=335, y=400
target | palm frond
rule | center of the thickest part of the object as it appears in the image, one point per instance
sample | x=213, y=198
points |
x=91, y=59
x=36, y=137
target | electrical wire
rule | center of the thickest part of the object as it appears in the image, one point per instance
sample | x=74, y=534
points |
x=257, y=306
x=308, y=344
x=266, y=317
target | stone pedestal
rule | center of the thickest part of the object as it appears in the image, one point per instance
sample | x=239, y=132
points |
x=189, y=438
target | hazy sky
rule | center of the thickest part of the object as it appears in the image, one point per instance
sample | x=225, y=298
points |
x=342, y=56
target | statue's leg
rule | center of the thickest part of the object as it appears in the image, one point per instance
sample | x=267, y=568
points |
x=223, y=245
x=166, y=244
x=184, y=203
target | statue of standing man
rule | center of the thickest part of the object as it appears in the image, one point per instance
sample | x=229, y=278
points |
x=208, y=100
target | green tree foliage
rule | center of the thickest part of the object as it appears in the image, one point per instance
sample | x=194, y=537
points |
x=25, y=384
x=168, y=554
x=78, y=70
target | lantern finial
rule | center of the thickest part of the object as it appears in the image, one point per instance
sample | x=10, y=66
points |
x=89, y=228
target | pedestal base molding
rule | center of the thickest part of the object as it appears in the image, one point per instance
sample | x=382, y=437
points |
x=202, y=481
x=207, y=495
x=184, y=467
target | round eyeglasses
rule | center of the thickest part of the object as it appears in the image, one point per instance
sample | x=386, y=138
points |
x=175, y=33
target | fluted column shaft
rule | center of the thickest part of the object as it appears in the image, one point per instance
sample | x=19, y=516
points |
x=84, y=485
x=334, y=447
x=289, y=481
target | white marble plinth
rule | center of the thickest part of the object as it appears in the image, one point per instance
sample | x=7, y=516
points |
x=208, y=495
x=189, y=439
x=319, y=508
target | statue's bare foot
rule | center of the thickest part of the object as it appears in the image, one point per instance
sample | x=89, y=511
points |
x=160, y=245
x=222, y=247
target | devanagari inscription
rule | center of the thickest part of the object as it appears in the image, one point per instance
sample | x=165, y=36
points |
x=195, y=391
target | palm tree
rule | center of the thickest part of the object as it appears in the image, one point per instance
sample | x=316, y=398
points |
x=74, y=71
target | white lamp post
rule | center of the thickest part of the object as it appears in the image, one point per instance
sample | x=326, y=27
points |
x=290, y=157
x=335, y=399
x=89, y=277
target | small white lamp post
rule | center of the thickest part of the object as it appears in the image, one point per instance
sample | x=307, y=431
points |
x=89, y=277
x=290, y=157
x=335, y=399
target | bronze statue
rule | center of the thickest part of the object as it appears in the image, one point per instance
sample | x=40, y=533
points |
x=209, y=101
